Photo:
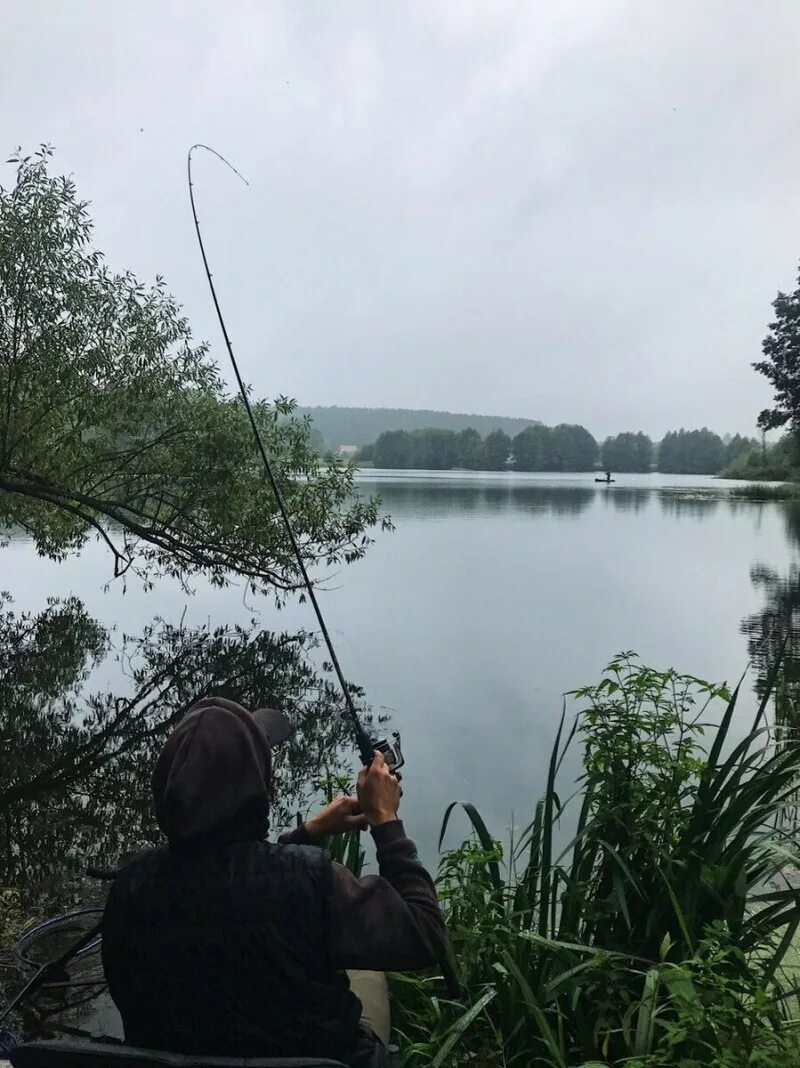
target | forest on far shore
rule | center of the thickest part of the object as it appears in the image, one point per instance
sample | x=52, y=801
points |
x=566, y=447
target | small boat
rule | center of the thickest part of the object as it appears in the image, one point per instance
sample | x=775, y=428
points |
x=605, y=481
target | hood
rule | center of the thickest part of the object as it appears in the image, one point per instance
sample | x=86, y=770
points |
x=212, y=778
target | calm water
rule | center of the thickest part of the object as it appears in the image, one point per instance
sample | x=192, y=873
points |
x=494, y=596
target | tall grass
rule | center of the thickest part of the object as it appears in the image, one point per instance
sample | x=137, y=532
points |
x=346, y=849
x=640, y=922
x=757, y=491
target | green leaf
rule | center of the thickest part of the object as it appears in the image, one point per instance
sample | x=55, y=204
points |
x=454, y=1033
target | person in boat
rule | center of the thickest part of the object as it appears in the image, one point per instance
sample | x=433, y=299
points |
x=222, y=943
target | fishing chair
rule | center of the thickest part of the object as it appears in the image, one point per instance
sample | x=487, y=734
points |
x=80, y=1053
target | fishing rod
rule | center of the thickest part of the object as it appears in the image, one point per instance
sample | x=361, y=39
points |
x=366, y=747
x=363, y=741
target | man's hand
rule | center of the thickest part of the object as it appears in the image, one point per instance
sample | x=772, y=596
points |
x=341, y=815
x=378, y=792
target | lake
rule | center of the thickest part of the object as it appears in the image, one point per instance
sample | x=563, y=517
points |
x=495, y=594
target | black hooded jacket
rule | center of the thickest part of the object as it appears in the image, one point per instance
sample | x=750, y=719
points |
x=225, y=944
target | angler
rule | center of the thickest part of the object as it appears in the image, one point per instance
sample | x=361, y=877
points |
x=224, y=943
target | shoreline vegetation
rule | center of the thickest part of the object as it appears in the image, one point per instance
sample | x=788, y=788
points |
x=646, y=919
x=572, y=448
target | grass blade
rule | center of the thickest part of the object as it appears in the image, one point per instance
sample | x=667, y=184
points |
x=454, y=1033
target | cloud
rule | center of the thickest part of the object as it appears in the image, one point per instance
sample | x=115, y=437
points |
x=568, y=211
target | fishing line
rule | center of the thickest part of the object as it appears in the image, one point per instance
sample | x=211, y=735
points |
x=363, y=742
x=362, y=738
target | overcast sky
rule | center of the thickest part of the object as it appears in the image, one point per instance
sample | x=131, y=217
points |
x=573, y=211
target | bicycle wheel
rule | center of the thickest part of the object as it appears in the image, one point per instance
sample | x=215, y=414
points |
x=46, y=941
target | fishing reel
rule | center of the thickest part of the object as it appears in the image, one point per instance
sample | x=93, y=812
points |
x=391, y=751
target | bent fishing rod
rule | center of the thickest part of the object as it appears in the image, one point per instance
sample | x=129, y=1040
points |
x=365, y=747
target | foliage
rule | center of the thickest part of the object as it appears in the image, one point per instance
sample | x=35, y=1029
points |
x=536, y=448
x=115, y=423
x=13, y=918
x=566, y=447
x=13, y=921
x=781, y=363
x=317, y=442
x=691, y=452
x=434, y=450
x=496, y=450
x=738, y=445
x=627, y=452
x=654, y=936
x=347, y=848
x=776, y=462
x=393, y=450
x=359, y=426
x=76, y=764
x=470, y=449
x=573, y=448
x=531, y=449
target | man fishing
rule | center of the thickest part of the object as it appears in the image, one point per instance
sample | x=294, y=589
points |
x=222, y=943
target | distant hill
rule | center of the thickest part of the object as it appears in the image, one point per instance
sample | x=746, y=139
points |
x=361, y=426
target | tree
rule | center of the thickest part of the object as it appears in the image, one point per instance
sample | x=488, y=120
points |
x=532, y=449
x=470, y=449
x=573, y=448
x=317, y=441
x=781, y=363
x=77, y=764
x=115, y=423
x=496, y=449
x=434, y=449
x=393, y=450
x=758, y=461
x=627, y=452
x=736, y=446
x=691, y=452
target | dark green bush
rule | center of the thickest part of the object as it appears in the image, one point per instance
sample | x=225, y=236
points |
x=655, y=934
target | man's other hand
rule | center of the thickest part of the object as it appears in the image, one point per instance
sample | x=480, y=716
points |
x=378, y=792
x=341, y=815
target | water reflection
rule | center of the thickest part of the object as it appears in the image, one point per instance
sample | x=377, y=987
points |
x=775, y=628
x=77, y=764
x=694, y=506
x=438, y=498
x=625, y=498
x=435, y=498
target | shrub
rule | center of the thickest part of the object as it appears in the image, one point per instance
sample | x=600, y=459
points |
x=655, y=935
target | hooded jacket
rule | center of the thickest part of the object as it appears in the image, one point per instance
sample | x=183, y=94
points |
x=223, y=943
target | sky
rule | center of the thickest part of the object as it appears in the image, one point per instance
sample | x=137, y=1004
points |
x=568, y=211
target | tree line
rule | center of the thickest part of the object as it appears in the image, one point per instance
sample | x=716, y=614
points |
x=566, y=447
x=358, y=426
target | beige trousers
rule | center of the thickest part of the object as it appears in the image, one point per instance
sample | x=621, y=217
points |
x=372, y=990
